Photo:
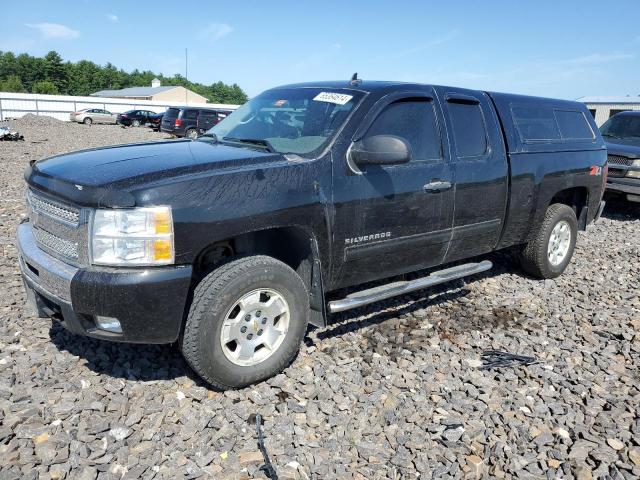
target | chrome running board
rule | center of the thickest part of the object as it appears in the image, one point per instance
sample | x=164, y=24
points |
x=382, y=292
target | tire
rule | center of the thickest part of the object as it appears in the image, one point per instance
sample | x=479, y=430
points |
x=135, y=123
x=192, y=133
x=87, y=121
x=538, y=258
x=217, y=297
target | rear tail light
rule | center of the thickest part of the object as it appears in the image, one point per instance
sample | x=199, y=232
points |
x=178, y=122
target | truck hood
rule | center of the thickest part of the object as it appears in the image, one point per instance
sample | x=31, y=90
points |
x=103, y=176
x=625, y=147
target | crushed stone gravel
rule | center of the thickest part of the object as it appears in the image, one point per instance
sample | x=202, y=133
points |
x=393, y=390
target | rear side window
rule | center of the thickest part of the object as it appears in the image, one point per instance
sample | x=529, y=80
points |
x=190, y=114
x=539, y=124
x=469, y=128
x=413, y=120
x=535, y=123
x=573, y=125
x=172, y=113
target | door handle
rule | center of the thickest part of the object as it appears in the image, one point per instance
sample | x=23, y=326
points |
x=437, y=186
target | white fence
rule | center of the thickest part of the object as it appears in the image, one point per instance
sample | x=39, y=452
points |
x=13, y=105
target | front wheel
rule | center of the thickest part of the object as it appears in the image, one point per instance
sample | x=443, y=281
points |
x=246, y=322
x=549, y=252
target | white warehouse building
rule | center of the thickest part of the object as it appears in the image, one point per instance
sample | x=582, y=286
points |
x=604, y=107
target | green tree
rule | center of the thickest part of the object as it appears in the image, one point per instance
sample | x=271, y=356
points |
x=55, y=71
x=12, y=84
x=45, y=86
x=49, y=74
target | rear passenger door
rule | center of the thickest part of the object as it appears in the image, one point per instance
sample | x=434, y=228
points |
x=190, y=118
x=105, y=117
x=207, y=119
x=480, y=170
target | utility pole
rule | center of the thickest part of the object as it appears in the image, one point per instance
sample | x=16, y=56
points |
x=186, y=76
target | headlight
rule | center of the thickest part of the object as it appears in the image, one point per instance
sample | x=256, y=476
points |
x=139, y=236
x=634, y=173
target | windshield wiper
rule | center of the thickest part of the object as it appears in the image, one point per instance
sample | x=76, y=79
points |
x=258, y=142
x=610, y=135
x=212, y=136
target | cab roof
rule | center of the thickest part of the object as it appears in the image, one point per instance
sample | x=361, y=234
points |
x=361, y=85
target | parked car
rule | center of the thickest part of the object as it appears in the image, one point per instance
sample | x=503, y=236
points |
x=191, y=121
x=230, y=244
x=92, y=115
x=135, y=118
x=622, y=136
x=155, y=121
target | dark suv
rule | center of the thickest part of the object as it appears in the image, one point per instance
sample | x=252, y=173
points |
x=135, y=118
x=190, y=121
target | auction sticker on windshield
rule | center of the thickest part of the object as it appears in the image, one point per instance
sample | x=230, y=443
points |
x=337, y=98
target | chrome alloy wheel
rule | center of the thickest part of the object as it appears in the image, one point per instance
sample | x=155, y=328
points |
x=255, y=327
x=559, y=243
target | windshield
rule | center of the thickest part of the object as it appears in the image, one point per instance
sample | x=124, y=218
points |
x=290, y=120
x=622, y=126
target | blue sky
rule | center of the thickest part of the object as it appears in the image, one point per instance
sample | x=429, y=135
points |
x=560, y=48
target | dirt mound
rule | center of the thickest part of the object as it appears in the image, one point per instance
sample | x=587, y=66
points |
x=31, y=120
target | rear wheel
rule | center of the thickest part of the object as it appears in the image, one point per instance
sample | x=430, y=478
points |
x=549, y=252
x=87, y=121
x=246, y=322
x=191, y=133
x=135, y=123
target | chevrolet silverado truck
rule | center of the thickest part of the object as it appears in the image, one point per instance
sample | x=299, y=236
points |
x=229, y=245
x=622, y=136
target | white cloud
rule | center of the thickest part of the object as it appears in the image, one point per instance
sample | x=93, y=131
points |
x=337, y=46
x=215, y=31
x=113, y=18
x=600, y=58
x=54, y=30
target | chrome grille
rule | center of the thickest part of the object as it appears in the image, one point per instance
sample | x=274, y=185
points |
x=58, y=245
x=53, y=209
x=620, y=160
x=59, y=229
x=616, y=172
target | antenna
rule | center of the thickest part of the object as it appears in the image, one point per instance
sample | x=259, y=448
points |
x=355, y=80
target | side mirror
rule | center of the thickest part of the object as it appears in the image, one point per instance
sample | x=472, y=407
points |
x=381, y=150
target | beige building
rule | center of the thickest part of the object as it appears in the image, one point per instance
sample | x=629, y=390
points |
x=155, y=92
x=602, y=108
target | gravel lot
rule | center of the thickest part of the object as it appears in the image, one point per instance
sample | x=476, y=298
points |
x=389, y=391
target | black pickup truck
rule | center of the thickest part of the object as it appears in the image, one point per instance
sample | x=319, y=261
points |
x=229, y=244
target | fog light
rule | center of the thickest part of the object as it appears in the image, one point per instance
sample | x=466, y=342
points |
x=109, y=324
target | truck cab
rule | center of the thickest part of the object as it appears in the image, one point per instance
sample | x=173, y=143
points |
x=233, y=243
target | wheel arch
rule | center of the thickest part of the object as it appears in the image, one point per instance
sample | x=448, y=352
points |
x=292, y=245
x=577, y=198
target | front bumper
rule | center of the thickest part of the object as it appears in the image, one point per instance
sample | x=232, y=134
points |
x=149, y=302
x=628, y=186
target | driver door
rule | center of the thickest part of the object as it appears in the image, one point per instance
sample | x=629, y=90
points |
x=393, y=219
